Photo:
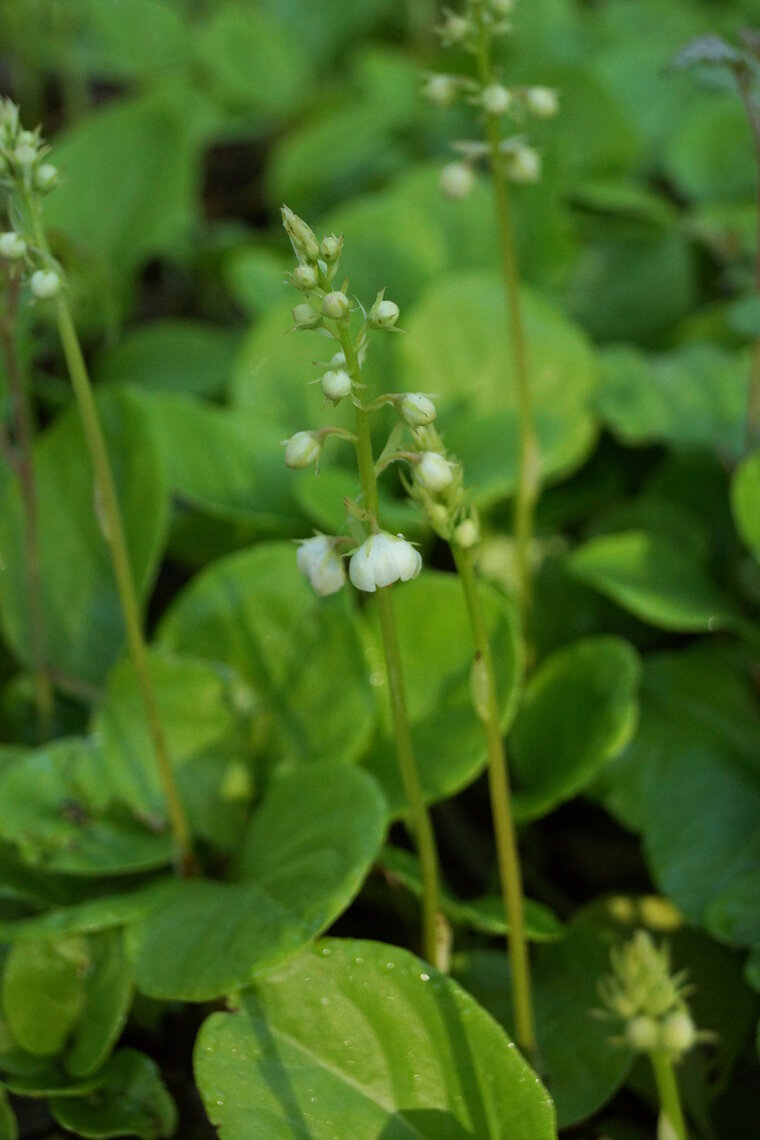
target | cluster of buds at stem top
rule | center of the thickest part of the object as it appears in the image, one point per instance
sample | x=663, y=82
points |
x=474, y=30
x=648, y=1000
x=25, y=176
x=380, y=558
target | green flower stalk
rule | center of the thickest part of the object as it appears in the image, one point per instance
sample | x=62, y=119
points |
x=26, y=178
x=436, y=485
x=511, y=160
x=378, y=558
x=648, y=1002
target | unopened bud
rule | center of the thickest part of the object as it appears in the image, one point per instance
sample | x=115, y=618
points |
x=302, y=449
x=304, y=277
x=467, y=534
x=12, y=245
x=524, y=164
x=383, y=315
x=642, y=1033
x=336, y=384
x=45, y=177
x=441, y=90
x=305, y=317
x=433, y=472
x=331, y=248
x=416, y=410
x=457, y=180
x=495, y=99
x=454, y=29
x=542, y=102
x=301, y=236
x=45, y=283
x=336, y=305
x=678, y=1033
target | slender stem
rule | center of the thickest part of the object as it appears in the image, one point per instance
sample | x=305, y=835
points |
x=117, y=543
x=752, y=429
x=507, y=853
x=22, y=462
x=419, y=816
x=527, y=489
x=667, y=1088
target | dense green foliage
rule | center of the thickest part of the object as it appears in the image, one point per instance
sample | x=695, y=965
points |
x=632, y=719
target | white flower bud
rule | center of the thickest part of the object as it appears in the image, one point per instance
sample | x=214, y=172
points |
x=467, y=534
x=495, y=99
x=45, y=283
x=12, y=245
x=302, y=449
x=416, y=409
x=433, y=471
x=383, y=559
x=457, y=180
x=304, y=277
x=678, y=1033
x=25, y=152
x=542, y=102
x=336, y=305
x=331, y=248
x=305, y=317
x=338, y=360
x=316, y=558
x=454, y=28
x=45, y=177
x=524, y=164
x=441, y=90
x=383, y=315
x=336, y=384
x=301, y=236
x=642, y=1033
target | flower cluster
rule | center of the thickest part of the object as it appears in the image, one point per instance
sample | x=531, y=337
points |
x=474, y=30
x=378, y=558
x=649, y=1001
x=24, y=175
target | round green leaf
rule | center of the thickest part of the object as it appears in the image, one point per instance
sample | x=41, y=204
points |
x=693, y=397
x=171, y=355
x=53, y=808
x=44, y=992
x=130, y=1099
x=304, y=858
x=745, y=497
x=459, y=346
x=578, y=710
x=579, y=1065
x=300, y=653
x=649, y=576
x=436, y=647
x=107, y=998
x=369, y=1040
x=84, y=629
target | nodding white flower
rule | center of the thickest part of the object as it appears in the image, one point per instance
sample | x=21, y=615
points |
x=331, y=247
x=336, y=305
x=467, y=534
x=678, y=1033
x=45, y=283
x=383, y=315
x=441, y=90
x=316, y=558
x=302, y=449
x=383, y=559
x=542, y=102
x=495, y=99
x=524, y=164
x=302, y=238
x=304, y=277
x=454, y=29
x=45, y=177
x=336, y=384
x=12, y=245
x=416, y=409
x=457, y=180
x=433, y=471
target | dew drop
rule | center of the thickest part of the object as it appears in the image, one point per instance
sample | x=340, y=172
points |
x=326, y=952
x=424, y=977
x=390, y=965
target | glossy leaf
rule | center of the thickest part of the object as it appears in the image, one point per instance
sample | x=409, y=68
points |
x=303, y=860
x=371, y=1040
x=130, y=1098
x=580, y=1067
x=578, y=710
x=436, y=652
x=44, y=992
x=458, y=345
x=299, y=653
x=84, y=626
x=649, y=576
